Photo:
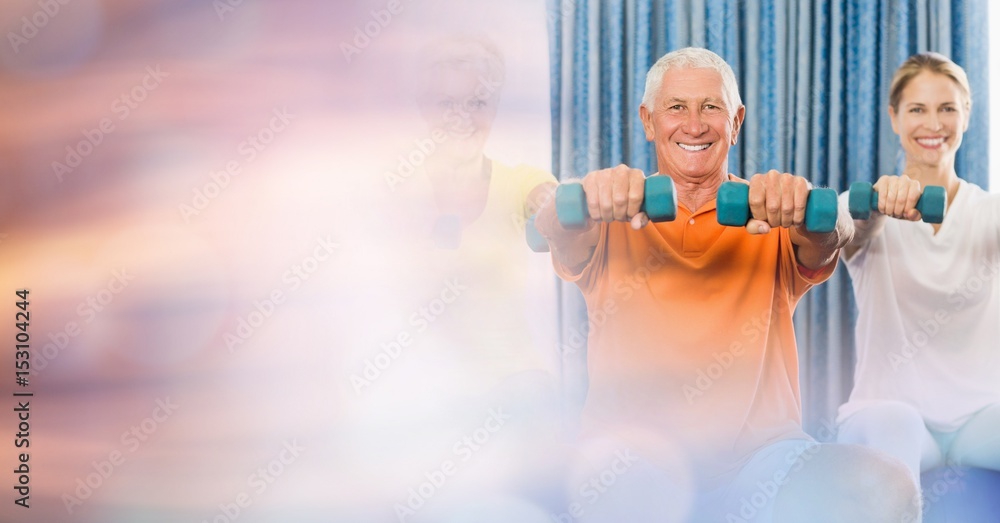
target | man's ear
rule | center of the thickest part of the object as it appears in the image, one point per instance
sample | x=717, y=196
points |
x=737, y=123
x=647, y=122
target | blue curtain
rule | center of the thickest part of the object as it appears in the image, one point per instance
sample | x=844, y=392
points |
x=814, y=76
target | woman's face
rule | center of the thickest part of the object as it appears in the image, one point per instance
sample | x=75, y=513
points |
x=930, y=119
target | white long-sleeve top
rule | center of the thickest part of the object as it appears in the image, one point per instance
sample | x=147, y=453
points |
x=928, y=330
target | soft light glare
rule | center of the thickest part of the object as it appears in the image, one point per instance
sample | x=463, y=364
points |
x=993, y=10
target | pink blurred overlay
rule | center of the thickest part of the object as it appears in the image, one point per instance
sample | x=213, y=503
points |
x=235, y=313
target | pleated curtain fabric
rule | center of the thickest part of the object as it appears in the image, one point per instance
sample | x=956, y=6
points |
x=814, y=76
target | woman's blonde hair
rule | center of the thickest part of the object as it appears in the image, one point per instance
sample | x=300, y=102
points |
x=935, y=63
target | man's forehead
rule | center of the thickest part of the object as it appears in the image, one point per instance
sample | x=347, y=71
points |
x=701, y=73
x=703, y=97
x=689, y=84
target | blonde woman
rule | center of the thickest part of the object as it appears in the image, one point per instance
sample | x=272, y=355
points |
x=927, y=381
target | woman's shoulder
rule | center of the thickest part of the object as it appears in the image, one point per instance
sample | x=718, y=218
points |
x=971, y=189
x=977, y=209
x=972, y=197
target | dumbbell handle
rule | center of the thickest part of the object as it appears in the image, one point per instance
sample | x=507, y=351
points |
x=931, y=203
x=922, y=203
x=874, y=201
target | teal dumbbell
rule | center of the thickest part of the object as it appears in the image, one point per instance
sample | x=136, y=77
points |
x=732, y=206
x=659, y=202
x=863, y=199
x=534, y=238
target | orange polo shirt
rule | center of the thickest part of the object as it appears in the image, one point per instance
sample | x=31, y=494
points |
x=691, y=335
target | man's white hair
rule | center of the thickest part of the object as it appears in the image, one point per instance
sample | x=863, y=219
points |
x=472, y=52
x=692, y=58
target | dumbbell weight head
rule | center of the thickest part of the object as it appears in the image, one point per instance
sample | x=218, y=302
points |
x=821, y=210
x=659, y=199
x=571, y=205
x=861, y=200
x=732, y=204
x=932, y=203
x=535, y=240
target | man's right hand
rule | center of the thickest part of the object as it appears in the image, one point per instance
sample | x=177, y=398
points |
x=613, y=194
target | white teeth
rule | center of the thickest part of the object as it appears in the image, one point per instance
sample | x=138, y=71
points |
x=694, y=148
x=930, y=142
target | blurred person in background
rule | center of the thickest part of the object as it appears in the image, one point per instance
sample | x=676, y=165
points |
x=207, y=248
x=465, y=291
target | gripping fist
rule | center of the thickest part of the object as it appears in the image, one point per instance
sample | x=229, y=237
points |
x=898, y=196
x=615, y=195
x=777, y=200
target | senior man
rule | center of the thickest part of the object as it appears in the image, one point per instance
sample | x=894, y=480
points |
x=698, y=344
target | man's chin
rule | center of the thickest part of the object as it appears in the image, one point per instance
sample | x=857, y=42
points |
x=693, y=172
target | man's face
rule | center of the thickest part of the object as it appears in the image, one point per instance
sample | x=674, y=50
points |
x=691, y=124
x=462, y=104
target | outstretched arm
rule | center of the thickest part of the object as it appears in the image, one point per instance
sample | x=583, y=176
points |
x=897, y=198
x=779, y=200
x=613, y=194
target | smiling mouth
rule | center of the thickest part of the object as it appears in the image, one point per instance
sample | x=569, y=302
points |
x=462, y=134
x=694, y=147
x=930, y=142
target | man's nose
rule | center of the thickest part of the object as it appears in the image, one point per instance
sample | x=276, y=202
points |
x=694, y=125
